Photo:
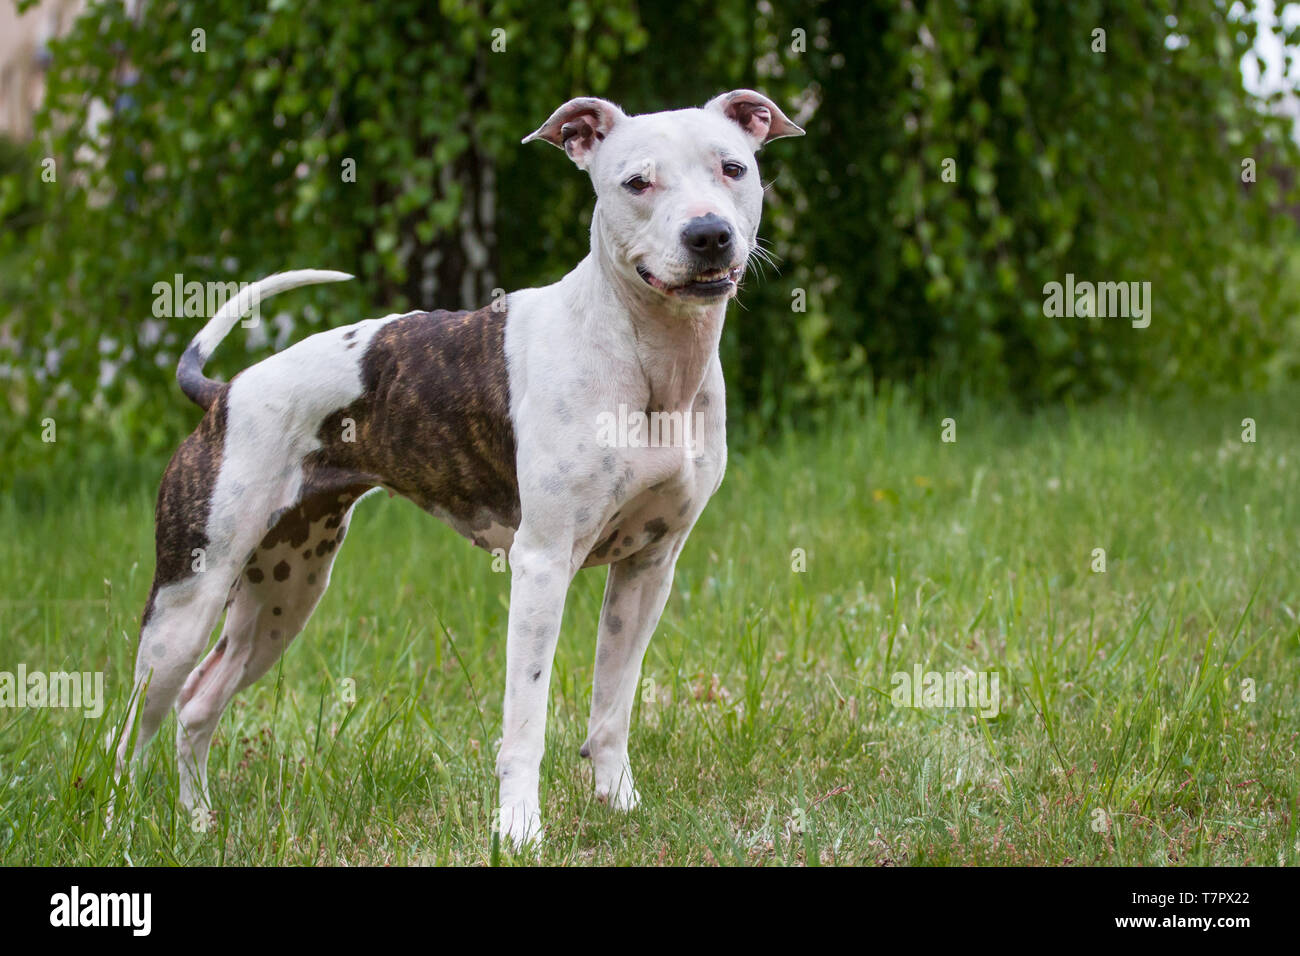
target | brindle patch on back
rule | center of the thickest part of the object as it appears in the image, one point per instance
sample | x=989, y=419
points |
x=433, y=422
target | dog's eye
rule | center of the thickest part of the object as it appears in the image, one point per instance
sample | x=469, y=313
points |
x=733, y=170
x=637, y=184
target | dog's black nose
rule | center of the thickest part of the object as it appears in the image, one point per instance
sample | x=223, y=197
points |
x=709, y=239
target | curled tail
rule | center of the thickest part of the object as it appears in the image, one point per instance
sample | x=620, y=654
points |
x=200, y=389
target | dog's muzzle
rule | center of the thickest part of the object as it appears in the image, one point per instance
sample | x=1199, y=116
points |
x=704, y=285
x=710, y=248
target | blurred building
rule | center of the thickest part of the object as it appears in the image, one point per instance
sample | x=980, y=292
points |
x=24, y=57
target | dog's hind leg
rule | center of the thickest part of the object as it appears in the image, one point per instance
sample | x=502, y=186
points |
x=207, y=524
x=178, y=621
x=274, y=597
x=190, y=582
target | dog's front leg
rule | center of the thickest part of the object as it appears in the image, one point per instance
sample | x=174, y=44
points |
x=539, y=578
x=635, y=594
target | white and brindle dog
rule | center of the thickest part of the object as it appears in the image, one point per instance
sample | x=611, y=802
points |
x=488, y=419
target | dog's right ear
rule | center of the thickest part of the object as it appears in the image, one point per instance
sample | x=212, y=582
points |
x=579, y=126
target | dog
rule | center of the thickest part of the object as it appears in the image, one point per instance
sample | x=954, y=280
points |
x=492, y=420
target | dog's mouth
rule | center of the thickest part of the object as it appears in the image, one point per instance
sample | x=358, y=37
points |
x=705, y=285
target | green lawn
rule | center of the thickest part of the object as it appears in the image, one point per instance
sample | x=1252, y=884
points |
x=1126, y=734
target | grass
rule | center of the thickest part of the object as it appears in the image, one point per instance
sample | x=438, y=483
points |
x=1147, y=713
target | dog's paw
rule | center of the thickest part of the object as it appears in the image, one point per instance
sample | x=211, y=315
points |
x=618, y=792
x=520, y=825
x=193, y=796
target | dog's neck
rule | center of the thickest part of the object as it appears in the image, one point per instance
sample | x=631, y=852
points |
x=675, y=341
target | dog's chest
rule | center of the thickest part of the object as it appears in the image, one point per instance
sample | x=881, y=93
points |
x=664, y=509
x=642, y=521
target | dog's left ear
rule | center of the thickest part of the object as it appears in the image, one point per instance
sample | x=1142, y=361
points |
x=579, y=126
x=760, y=118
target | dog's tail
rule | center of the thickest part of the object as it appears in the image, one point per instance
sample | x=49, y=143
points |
x=200, y=389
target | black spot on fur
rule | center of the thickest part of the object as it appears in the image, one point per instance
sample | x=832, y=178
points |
x=296, y=523
x=281, y=571
x=603, y=549
x=656, y=529
x=255, y=575
x=276, y=611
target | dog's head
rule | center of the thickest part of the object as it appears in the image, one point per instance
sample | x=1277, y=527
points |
x=678, y=198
